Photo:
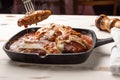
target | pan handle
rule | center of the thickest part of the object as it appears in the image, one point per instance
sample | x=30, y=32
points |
x=103, y=41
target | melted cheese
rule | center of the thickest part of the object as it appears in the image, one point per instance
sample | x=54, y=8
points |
x=50, y=38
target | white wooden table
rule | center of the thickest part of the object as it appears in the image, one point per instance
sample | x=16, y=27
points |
x=95, y=68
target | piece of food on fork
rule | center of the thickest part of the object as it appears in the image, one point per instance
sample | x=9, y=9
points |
x=34, y=17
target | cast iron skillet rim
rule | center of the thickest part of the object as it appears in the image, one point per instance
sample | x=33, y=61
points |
x=62, y=54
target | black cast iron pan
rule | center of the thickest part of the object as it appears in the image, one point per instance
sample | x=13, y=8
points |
x=68, y=58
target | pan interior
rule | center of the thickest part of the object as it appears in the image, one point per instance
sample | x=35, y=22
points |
x=30, y=30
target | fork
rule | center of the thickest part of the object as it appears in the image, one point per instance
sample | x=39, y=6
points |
x=28, y=5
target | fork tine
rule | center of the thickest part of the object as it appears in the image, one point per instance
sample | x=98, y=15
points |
x=32, y=7
x=28, y=5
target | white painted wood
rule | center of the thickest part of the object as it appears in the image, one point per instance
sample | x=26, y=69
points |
x=95, y=68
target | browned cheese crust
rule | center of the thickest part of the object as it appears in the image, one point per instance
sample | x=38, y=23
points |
x=53, y=39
